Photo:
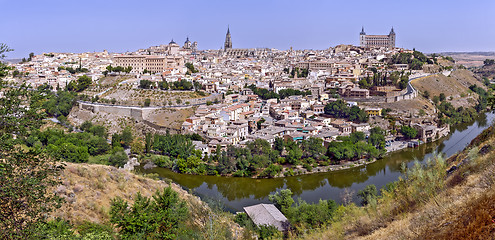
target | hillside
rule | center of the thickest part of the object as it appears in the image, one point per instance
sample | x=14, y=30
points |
x=167, y=117
x=486, y=71
x=88, y=190
x=456, y=85
x=469, y=59
x=451, y=200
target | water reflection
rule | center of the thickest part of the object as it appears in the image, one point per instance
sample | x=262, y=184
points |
x=236, y=193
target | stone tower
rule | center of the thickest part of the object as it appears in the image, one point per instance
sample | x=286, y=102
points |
x=362, y=38
x=391, y=37
x=187, y=44
x=228, y=40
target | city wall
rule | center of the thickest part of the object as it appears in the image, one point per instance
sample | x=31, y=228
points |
x=134, y=112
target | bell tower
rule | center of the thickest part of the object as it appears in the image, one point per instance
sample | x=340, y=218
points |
x=228, y=40
x=362, y=38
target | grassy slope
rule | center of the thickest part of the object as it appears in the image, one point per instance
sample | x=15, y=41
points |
x=464, y=208
x=455, y=85
x=88, y=190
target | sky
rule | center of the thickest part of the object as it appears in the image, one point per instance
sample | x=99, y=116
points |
x=41, y=26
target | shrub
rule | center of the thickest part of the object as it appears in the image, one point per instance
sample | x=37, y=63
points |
x=147, y=102
x=368, y=194
x=118, y=158
x=157, y=218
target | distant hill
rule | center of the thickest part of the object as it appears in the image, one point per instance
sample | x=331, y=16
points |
x=469, y=59
x=13, y=61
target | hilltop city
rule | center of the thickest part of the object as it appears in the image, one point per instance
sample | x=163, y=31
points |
x=259, y=93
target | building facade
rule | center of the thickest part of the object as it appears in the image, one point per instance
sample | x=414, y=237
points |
x=152, y=63
x=377, y=41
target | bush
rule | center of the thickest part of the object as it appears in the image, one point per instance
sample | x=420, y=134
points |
x=146, y=84
x=271, y=171
x=268, y=232
x=157, y=218
x=118, y=158
x=409, y=132
x=242, y=219
x=162, y=161
x=368, y=194
x=147, y=102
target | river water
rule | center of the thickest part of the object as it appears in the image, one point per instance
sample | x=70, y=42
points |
x=236, y=193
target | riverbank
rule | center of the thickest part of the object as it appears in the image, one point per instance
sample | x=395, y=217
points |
x=300, y=170
x=455, y=194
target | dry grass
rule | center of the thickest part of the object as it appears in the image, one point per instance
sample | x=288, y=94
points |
x=407, y=106
x=172, y=118
x=88, y=190
x=455, y=86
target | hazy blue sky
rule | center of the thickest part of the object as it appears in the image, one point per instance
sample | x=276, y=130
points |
x=79, y=26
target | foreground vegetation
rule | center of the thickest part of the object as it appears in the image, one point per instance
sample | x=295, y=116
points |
x=458, y=191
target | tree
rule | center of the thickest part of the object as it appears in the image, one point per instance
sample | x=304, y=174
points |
x=98, y=130
x=189, y=164
x=279, y=144
x=156, y=218
x=25, y=178
x=148, y=142
x=126, y=137
x=368, y=194
x=357, y=114
x=426, y=94
x=337, y=109
x=409, y=132
x=146, y=84
x=489, y=62
x=403, y=83
x=85, y=126
x=282, y=200
x=357, y=136
x=313, y=147
x=83, y=82
x=294, y=153
x=26, y=174
x=137, y=146
x=128, y=69
x=109, y=68
x=377, y=137
x=435, y=99
x=441, y=97
x=118, y=158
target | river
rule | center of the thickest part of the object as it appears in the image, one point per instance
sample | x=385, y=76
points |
x=236, y=193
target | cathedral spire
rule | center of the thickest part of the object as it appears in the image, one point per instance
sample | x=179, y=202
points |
x=228, y=39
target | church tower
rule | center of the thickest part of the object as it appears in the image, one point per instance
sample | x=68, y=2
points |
x=391, y=37
x=228, y=40
x=362, y=38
